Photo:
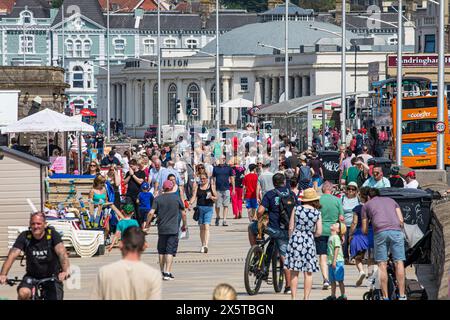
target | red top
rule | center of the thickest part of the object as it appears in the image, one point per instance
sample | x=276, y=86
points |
x=235, y=143
x=250, y=183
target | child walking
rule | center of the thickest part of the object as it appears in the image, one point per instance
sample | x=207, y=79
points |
x=125, y=223
x=336, y=260
x=145, y=200
x=250, y=183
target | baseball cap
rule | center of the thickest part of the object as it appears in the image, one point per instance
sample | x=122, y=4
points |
x=411, y=174
x=352, y=184
x=395, y=170
x=145, y=186
x=168, y=185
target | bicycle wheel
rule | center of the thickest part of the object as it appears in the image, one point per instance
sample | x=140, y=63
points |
x=277, y=272
x=254, y=270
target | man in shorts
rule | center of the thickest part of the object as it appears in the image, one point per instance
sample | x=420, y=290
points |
x=387, y=222
x=168, y=207
x=223, y=178
x=270, y=203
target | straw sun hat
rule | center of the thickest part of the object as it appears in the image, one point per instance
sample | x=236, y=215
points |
x=310, y=195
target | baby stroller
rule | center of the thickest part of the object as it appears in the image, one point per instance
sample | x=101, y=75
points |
x=413, y=289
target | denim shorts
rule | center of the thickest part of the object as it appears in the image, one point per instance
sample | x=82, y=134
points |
x=392, y=241
x=336, y=275
x=251, y=203
x=205, y=214
x=281, y=238
x=321, y=245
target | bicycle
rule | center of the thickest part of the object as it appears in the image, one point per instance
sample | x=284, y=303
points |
x=37, y=291
x=257, y=267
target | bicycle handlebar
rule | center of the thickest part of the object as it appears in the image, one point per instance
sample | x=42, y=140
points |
x=34, y=282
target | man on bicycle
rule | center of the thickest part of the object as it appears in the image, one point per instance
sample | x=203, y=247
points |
x=275, y=229
x=46, y=257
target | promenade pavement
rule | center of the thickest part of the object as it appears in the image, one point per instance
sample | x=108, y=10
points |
x=196, y=274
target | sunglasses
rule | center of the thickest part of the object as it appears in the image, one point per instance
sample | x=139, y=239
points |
x=93, y=165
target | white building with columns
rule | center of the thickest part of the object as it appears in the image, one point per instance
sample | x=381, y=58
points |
x=246, y=68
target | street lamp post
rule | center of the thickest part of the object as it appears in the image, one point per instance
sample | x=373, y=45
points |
x=108, y=91
x=398, y=146
x=286, y=53
x=441, y=90
x=343, y=75
x=218, y=113
x=159, y=71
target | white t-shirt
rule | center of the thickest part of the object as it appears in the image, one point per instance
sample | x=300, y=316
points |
x=366, y=157
x=413, y=184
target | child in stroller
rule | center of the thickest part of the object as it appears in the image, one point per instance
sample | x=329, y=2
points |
x=414, y=291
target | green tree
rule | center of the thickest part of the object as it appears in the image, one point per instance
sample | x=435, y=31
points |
x=317, y=5
x=249, y=5
x=57, y=3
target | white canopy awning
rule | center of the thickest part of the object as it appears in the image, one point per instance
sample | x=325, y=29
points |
x=48, y=121
x=238, y=103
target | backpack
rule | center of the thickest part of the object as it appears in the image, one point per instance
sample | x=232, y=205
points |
x=285, y=207
x=305, y=174
x=359, y=141
x=29, y=236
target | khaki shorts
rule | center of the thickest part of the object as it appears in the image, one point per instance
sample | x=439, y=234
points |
x=223, y=198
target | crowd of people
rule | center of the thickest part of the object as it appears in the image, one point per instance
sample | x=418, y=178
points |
x=317, y=225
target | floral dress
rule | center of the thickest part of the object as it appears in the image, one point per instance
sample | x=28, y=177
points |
x=301, y=252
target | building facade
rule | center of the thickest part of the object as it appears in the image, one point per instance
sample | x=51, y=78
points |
x=247, y=71
x=34, y=34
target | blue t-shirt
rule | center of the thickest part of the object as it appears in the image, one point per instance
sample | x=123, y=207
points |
x=271, y=202
x=222, y=175
x=145, y=200
x=124, y=224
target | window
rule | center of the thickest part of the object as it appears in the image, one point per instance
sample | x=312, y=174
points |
x=244, y=84
x=78, y=49
x=78, y=104
x=119, y=47
x=155, y=103
x=192, y=43
x=78, y=77
x=142, y=104
x=193, y=92
x=172, y=98
x=87, y=48
x=26, y=17
x=393, y=41
x=419, y=126
x=69, y=48
x=149, y=46
x=430, y=43
x=26, y=44
x=170, y=43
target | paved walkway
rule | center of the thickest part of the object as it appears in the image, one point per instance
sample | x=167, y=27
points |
x=197, y=274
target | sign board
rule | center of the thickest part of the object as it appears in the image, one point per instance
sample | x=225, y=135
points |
x=58, y=164
x=440, y=127
x=9, y=107
x=418, y=61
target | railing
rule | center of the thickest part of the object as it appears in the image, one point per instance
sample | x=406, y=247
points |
x=429, y=21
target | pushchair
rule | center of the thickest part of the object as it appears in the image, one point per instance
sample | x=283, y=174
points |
x=413, y=289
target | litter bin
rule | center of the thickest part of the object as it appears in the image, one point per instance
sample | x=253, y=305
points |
x=330, y=161
x=385, y=164
x=415, y=205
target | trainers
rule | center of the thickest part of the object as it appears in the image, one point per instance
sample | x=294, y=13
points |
x=217, y=222
x=171, y=277
x=166, y=276
x=202, y=250
x=225, y=224
x=326, y=285
x=205, y=250
x=361, y=278
x=331, y=298
x=287, y=290
x=342, y=297
x=402, y=298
